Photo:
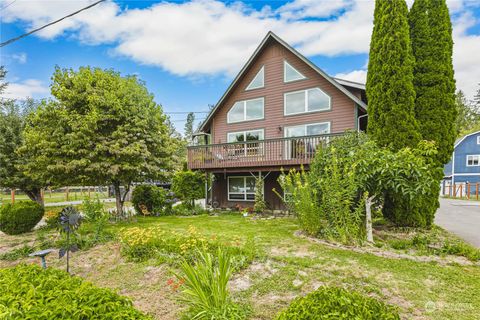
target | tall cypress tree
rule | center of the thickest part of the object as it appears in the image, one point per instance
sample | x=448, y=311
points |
x=390, y=90
x=432, y=44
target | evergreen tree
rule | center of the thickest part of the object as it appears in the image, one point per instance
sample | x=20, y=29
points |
x=390, y=91
x=189, y=126
x=435, y=107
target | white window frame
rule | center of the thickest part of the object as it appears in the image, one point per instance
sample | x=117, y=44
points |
x=245, y=187
x=262, y=70
x=245, y=110
x=288, y=145
x=478, y=139
x=245, y=149
x=473, y=156
x=306, y=102
x=285, y=62
x=306, y=125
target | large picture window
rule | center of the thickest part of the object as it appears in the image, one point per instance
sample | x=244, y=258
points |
x=241, y=188
x=309, y=100
x=305, y=147
x=247, y=149
x=473, y=160
x=246, y=110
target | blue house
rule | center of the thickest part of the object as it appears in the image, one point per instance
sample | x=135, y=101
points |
x=464, y=168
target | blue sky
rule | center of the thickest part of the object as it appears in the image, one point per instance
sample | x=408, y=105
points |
x=187, y=52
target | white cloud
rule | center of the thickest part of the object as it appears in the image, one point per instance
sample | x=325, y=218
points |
x=20, y=57
x=355, y=75
x=210, y=37
x=29, y=88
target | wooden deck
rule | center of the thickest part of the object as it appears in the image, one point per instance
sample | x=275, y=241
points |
x=281, y=152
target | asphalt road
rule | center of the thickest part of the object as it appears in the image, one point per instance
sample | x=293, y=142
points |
x=461, y=217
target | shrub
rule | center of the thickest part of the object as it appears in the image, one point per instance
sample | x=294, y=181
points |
x=52, y=218
x=93, y=209
x=205, y=287
x=29, y=292
x=336, y=303
x=188, y=186
x=139, y=244
x=260, y=204
x=184, y=209
x=20, y=217
x=151, y=200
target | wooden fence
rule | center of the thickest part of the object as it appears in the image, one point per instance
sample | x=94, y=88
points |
x=462, y=190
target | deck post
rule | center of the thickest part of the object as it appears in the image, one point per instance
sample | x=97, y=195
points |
x=206, y=189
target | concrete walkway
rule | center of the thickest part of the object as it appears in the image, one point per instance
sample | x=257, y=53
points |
x=461, y=217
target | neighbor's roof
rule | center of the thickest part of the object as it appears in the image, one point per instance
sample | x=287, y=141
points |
x=270, y=35
x=464, y=137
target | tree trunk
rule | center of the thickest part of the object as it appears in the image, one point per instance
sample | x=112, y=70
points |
x=368, y=209
x=35, y=194
x=118, y=199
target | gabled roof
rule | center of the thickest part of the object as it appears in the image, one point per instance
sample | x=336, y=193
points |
x=349, y=83
x=464, y=137
x=270, y=35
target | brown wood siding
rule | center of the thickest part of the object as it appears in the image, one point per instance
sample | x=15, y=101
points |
x=341, y=116
x=220, y=191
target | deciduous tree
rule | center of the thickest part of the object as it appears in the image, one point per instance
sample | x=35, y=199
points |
x=100, y=128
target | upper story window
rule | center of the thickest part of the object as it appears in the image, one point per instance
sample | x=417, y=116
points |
x=473, y=160
x=258, y=81
x=246, y=110
x=290, y=73
x=309, y=100
x=478, y=140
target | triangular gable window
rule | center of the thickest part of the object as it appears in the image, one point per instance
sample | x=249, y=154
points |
x=258, y=81
x=290, y=73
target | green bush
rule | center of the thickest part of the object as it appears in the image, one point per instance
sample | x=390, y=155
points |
x=20, y=217
x=93, y=209
x=336, y=303
x=205, y=284
x=29, y=292
x=148, y=199
x=184, y=209
x=188, y=186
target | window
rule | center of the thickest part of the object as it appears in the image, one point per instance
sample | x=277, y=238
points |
x=478, y=140
x=473, y=160
x=305, y=147
x=241, y=188
x=258, y=80
x=310, y=100
x=246, y=110
x=290, y=73
x=245, y=149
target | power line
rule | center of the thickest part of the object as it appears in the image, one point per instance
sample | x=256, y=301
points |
x=8, y=5
x=185, y=112
x=48, y=24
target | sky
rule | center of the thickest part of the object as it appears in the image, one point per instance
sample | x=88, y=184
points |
x=188, y=52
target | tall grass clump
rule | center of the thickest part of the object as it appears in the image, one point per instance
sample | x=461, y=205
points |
x=205, y=288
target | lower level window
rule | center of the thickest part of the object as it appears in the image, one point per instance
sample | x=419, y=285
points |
x=241, y=188
x=473, y=160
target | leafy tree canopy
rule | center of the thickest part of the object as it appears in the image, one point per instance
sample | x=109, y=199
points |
x=100, y=128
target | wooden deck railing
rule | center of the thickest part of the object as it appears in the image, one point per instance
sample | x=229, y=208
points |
x=269, y=152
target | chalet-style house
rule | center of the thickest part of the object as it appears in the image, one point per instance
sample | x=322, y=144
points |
x=463, y=171
x=278, y=110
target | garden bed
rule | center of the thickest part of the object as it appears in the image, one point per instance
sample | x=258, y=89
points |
x=288, y=267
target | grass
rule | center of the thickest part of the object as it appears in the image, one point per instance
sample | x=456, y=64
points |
x=52, y=197
x=290, y=266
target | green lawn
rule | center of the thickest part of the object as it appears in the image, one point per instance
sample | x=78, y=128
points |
x=51, y=197
x=290, y=266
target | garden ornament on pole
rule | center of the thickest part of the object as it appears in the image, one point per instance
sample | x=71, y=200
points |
x=70, y=220
x=42, y=254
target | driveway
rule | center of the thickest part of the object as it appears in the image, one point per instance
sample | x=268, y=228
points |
x=461, y=217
